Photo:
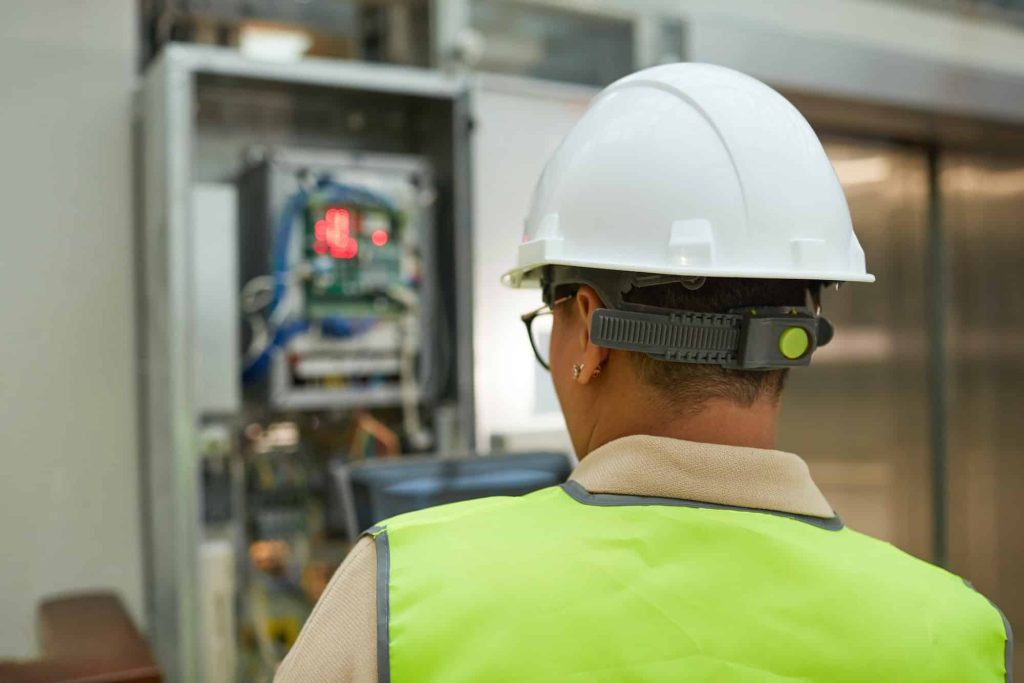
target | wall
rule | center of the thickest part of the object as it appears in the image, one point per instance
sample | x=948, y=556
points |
x=519, y=123
x=861, y=49
x=69, y=488
x=879, y=50
x=950, y=37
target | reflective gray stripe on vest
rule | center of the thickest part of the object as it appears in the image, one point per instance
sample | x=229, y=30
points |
x=582, y=495
x=1008, y=645
x=380, y=543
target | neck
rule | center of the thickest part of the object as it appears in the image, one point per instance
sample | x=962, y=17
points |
x=718, y=421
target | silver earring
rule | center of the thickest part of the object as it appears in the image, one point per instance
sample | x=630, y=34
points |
x=597, y=371
x=576, y=370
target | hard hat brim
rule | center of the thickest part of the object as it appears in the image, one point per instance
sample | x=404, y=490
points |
x=529, y=276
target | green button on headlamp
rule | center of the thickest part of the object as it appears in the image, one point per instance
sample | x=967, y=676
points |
x=794, y=342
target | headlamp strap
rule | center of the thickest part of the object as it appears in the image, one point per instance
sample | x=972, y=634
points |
x=749, y=338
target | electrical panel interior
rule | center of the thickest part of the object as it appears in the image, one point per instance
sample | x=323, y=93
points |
x=339, y=358
x=337, y=289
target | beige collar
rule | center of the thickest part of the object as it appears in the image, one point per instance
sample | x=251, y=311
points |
x=726, y=475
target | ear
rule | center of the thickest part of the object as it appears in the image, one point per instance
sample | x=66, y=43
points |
x=592, y=357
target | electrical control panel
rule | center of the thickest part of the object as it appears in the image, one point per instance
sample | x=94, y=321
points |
x=305, y=271
x=336, y=288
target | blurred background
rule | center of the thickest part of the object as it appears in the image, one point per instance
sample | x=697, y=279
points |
x=270, y=312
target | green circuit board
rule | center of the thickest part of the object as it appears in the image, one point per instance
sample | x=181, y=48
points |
x=357, y=254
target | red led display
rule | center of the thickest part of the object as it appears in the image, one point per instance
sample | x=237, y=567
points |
x=334, y=235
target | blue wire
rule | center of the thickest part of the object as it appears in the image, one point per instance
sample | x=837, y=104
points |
x=340, y=192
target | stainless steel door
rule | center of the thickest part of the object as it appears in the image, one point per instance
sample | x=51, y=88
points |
x=860, y=415
x=983, y=209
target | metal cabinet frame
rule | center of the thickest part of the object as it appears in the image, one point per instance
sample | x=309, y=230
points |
x=169, y=420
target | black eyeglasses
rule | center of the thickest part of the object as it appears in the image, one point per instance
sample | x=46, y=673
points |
x=538, y=327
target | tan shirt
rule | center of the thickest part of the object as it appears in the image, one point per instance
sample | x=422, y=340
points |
x=339, y=641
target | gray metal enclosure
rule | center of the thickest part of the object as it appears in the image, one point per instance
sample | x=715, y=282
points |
x=199, y=109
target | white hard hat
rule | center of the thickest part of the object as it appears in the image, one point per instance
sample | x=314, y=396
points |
x=691, y=170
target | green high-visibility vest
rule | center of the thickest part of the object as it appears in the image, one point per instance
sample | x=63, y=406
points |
x=564, y=585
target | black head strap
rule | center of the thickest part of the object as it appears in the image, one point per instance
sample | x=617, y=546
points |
x=750, y=338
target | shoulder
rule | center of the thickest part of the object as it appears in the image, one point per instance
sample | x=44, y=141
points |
x=339, y=640
x=952, y=600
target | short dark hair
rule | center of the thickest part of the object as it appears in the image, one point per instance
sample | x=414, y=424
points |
x=691, y=385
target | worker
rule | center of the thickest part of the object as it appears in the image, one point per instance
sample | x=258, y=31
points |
x=680, y=236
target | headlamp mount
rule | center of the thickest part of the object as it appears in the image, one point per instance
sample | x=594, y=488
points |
x=747, y=338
